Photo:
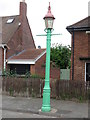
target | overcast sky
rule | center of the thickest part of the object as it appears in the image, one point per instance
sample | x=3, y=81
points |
x=66, y=13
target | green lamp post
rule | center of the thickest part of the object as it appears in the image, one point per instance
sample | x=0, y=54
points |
x=49, y=19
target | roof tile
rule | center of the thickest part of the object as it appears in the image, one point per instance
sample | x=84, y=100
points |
x=8, y=29
x=82, y=23
x=28, y=54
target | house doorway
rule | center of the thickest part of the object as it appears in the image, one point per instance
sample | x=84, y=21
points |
x=87, y=71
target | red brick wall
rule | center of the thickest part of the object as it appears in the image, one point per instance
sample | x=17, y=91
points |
x=71, y=56
x=80, y=50
x=40, y=68
x=27, y=38
x=55, y=73
x=32, y=69
x=89, y=44
x=22, y=38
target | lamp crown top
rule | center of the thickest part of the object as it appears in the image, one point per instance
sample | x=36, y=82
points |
x=49, y=14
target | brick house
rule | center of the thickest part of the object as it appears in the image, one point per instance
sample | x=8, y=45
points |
x=80, y=57
x=17, y=48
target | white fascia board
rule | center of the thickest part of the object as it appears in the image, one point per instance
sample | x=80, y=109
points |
x=87, y=32
x=1, y=45
x=20, y=61
x=40, y=56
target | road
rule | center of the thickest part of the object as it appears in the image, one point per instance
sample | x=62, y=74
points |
x=12, y=114
x=28, y=108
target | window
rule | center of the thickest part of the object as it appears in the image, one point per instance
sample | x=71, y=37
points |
x=19, y=23
x=87, y=71
x=20, y=69
x=10, y=20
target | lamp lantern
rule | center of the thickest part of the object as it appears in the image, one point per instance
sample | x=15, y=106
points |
x=49, y=19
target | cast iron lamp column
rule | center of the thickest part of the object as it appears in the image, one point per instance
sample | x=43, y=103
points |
x=49, y=18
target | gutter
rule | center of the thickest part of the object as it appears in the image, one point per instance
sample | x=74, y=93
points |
x=5, y=58
x=4, y=46
x=70, y=29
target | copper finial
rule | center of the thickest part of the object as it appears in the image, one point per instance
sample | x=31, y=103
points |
x=49, y=8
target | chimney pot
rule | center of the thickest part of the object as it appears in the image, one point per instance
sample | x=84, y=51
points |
x=23, y=0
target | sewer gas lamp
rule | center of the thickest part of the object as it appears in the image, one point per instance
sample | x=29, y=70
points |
x=49, y=19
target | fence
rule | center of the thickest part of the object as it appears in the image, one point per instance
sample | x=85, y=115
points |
x=34, y=87
x=21, y=86
x=72, y=89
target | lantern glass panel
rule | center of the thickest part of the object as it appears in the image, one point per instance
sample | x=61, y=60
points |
x=49, y=23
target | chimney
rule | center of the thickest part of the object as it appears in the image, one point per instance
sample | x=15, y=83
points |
x=23, y=9
x=89, y=8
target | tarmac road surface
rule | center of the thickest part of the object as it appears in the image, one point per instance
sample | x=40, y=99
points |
x=29, y=107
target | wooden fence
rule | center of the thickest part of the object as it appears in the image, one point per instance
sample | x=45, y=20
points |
x=34, y=87
x=21, y=86
x=71, y=89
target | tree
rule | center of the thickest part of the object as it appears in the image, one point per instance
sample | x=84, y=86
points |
x=61, y=56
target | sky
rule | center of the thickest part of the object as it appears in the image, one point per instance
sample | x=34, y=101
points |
x=66, y=12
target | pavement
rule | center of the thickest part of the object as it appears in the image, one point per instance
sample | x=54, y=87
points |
x=12, y=114
x=59, y=108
